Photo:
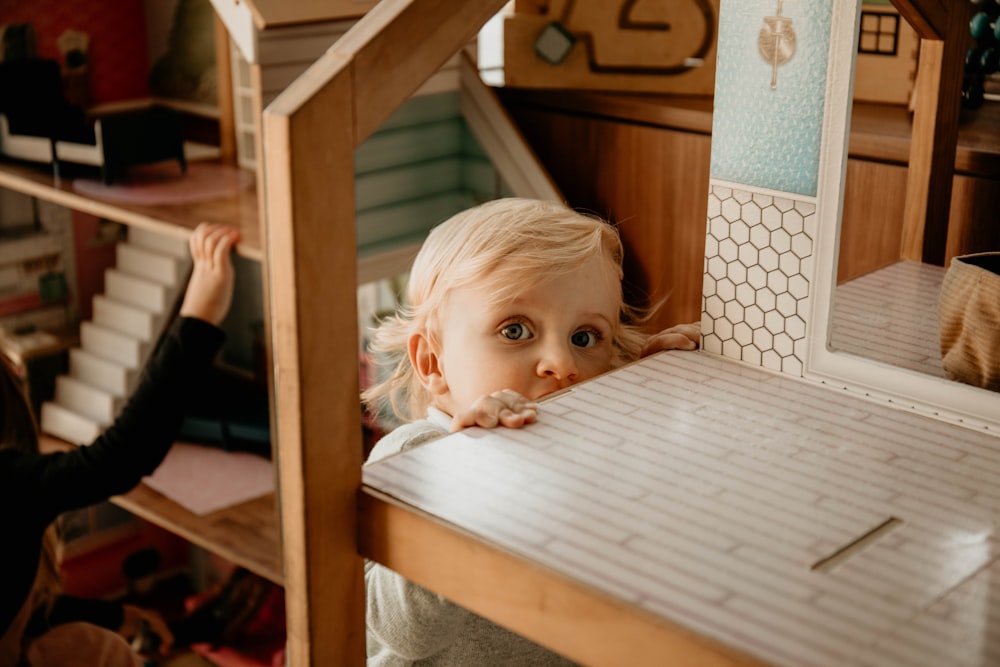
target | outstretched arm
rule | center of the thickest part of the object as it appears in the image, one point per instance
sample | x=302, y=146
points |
x=678, y=337
x=210, y=289
x=142, y=434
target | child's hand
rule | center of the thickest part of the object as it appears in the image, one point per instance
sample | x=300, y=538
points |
x=132, y=621
x=501, y=408
x=679, y=337
x=210, y=290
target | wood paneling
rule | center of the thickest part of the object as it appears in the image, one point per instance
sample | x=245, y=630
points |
x=975, y=211
x=651, y=181
x=874, y=196
x=643, y=162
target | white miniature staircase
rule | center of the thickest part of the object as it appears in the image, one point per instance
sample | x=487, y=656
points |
x=139, y=297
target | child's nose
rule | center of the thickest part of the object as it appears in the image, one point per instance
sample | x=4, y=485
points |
x=559, y=362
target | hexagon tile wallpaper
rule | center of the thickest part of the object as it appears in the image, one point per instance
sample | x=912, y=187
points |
x=758, y=259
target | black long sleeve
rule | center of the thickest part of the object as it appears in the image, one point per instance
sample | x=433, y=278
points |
x=36, y=488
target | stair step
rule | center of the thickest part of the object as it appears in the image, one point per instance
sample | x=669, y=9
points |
x=135, y=291
x=91, y=402
x=99, y=372
x=68, y=425
x=124, y=317
x=149, y=264
x=161, y=243
x=112, y=345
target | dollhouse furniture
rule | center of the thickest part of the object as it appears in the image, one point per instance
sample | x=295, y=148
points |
x=37, y=123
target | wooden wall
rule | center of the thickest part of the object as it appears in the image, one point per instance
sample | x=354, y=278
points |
x=652, y=182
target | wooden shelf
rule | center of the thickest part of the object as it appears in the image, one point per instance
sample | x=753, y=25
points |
x=882, y=132
x=385, y=259
x=246, y=534
x=240, y=209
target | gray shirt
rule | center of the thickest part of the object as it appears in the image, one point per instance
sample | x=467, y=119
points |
x=410, y=625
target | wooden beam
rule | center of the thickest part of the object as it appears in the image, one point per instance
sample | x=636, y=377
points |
x=310, y=266
x=927, y=17
x=399, y=44
x=935, y=138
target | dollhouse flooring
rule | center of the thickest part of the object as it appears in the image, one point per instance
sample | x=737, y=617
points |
x=891, y=315
x=164, y=184
x=787, y=520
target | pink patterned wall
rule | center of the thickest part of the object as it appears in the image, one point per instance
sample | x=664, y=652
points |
x=119, y=64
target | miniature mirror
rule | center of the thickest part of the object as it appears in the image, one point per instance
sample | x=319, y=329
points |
x=881, y=309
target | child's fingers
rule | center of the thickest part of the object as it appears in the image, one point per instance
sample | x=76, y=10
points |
x=501, y=408
x=680, y=337
x=213, y=241
x=197, y=240
x=228, y=238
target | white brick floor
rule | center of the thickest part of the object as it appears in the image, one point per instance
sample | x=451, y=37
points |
x=705, y=490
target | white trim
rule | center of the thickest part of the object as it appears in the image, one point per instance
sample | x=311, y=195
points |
x=756, y=189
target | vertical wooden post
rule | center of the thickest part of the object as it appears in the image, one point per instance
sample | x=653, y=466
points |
x=309, y=135
x=935, y=137
x=311, y=269
x=224, y=79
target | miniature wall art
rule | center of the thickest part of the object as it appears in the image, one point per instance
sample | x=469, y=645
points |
x=619, y=45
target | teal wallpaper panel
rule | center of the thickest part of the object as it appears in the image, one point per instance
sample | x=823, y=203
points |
x=766, y=136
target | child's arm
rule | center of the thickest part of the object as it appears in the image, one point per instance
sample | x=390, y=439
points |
x=501, y=408
x=678, y=337
x=145, y=428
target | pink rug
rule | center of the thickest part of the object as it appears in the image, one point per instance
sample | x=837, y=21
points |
x=163, y=183
x=205, y=479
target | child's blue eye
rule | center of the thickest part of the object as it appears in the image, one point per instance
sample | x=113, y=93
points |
x=584, y=338
x=515, y=331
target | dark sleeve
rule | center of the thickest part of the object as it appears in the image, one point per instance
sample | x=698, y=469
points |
x=69, y=609
x=140, y=437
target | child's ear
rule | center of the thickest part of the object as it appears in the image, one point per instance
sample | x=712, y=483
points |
x=426, y=363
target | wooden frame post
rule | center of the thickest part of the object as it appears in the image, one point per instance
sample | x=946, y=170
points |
x=310, y=133
x=935, y=125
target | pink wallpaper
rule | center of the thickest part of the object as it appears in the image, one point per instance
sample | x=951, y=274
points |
x=119, y=64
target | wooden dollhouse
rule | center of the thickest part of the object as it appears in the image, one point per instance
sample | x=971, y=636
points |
x=687, y=554
x=766, y=531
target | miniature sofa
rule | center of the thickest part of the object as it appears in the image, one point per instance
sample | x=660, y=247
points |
x=38, y=124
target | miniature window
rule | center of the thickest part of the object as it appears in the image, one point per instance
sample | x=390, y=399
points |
x=879, y=33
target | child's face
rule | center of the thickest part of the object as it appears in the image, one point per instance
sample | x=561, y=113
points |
x=554, y=334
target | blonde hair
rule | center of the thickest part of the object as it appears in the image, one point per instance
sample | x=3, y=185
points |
x=503, y=245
